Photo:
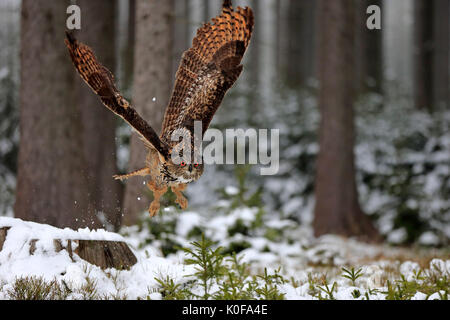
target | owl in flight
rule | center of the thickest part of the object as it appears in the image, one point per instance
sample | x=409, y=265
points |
x=207, y=70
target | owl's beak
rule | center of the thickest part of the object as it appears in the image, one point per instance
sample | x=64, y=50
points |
x=190, y=168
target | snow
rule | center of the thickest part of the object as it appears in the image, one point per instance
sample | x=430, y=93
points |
x=429, y=238
x=436, y=295
x=419, y=296
x=187, y=221
x=30, y=230
x=232, y=191
x=397, y=236
x=16, y=260
x=295, y=257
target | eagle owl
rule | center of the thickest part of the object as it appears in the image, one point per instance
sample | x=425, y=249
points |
x=207, y=70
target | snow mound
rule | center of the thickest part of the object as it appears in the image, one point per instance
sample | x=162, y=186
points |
x=39, y=231
x=16, y=261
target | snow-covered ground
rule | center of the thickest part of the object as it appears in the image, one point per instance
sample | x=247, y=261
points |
x=310, y=265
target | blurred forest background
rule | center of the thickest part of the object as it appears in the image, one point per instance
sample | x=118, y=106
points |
x=379, y=168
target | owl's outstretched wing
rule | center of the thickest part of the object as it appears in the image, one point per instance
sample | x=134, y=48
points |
x=101, y=81
x=208, y=69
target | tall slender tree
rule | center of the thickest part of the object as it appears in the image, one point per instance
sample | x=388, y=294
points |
x=128, y=52
x=51, y=186
x=267, y=50
x=431, y=53
x=441, y=35
x=423, y=54
x=337, y=209
x=369, y=51
x=98, y=123
x=151, y=87
x=301, y=48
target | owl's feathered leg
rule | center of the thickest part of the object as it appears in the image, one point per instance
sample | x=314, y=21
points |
x=157, y=194
x=141, y=172
x=181, y=200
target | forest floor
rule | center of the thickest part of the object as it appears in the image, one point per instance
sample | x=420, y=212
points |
x=189, y=256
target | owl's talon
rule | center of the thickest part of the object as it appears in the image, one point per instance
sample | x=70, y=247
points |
x=154, y=208
x=182, y=201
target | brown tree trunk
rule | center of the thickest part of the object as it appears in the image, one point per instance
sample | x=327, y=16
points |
x=431, y=54
x=181, y=37
x=51, y=186
x=337, y=209
x=369, y=51
x=299, y=66
x=423, y=54
x=128, y=56
x=441, y=36
x=151, y=89
x=99, y=124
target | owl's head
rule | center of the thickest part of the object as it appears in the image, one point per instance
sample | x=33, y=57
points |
x=181, y=170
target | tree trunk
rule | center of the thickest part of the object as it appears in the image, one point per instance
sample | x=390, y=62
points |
x=151, y=89
x=337, y=209
x=267, y=40
x=51, y=186
x=181, y=37
x=196, y=16
x=441, y=53
x=128, y=55
x=299, y=67
x=369, y=52
x=99, y=124
x=423, y=54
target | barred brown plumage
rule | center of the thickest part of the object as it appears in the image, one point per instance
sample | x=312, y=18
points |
x=207, y=70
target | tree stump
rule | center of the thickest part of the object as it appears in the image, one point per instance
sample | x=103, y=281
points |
x=3, y=232
x=105, y=254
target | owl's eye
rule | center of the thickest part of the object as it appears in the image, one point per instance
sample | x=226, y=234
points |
x=196, y=165
x=183, y=164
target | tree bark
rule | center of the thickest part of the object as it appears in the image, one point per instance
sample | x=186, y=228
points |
x=423, y=54
x=51, y=186
x=337, y=209
x=151, y=89
x=299, y=67
x=128, y=55
x=369, y=51
x=441, y=36
x=99, y=124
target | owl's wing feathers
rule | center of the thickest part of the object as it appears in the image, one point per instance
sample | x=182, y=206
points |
x=101, y=81
x=208, y=69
